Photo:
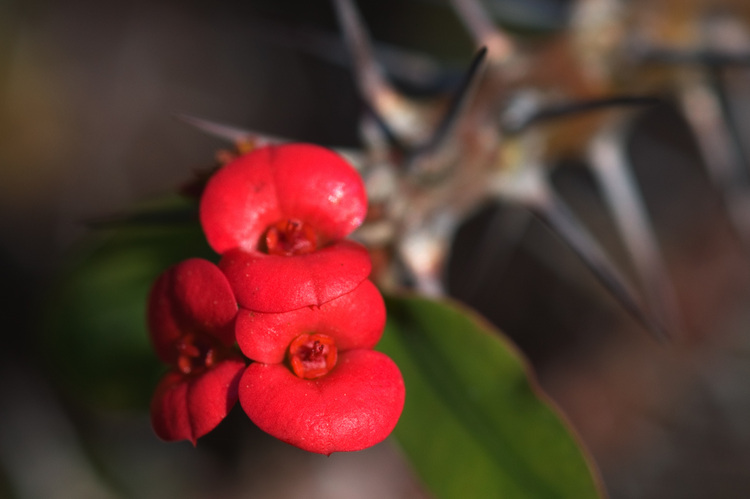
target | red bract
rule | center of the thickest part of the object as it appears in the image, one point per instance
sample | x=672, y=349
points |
x=277, y=215
x=191, y=315
x=317, y=385
x=354, y=406
x=353, y=320
x=306, y=184
x=308, y=316
x=273, y=283
x=188, y=407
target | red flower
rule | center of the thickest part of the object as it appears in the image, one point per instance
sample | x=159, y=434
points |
x=307, y=314
x=354, y=406
x=275, y=183
x=277, y=202
x=316, y=383
x=191, y=315
x=269, y=283
x=354, y=320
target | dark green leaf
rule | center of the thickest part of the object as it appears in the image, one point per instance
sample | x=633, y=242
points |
x=475, y=424
x=94, y=333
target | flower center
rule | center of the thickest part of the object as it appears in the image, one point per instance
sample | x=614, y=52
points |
x=196, y=352
x=290, y=237
x=312, y=355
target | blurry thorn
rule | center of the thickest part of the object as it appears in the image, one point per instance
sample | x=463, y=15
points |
x=556, y=214
x=417, y=71
x=703, y=112
x=458, y=103
x=390, y=135
x=609, y=162
x=527, y=185
x=735, y=136
x=493, y=250
x=229, y=133
x=375, y=89
x=483, y=30
x=710, y=59
x=518, y=124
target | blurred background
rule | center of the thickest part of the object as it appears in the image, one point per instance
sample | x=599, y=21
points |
x=88, y=96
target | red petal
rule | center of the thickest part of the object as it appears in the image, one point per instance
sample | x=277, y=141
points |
x=188, y=407
x=353, y=320
x=351, y=408
x=192, y=296
x=274, y=283
x=299, y=181
x=317, y=186
x=240, y=202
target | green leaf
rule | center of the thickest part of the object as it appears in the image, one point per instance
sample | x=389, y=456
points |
x=94, y=330
x=475, y=424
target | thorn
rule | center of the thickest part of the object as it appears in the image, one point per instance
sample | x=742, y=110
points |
x=721, y=153
x=483, y=30
x=390, y=135
x=527, y=184
x=609, y=162
x=555, y=213
x=707, y=58
x=417, y=71
x=520, y=124
x=463, y=95
x=368, y=73
x=726, y=109
x=234, y=135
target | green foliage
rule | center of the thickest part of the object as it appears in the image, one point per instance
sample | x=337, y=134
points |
x=474, y=423
x=94, y=334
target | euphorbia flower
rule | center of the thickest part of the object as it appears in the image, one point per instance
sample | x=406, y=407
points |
x=278, y=216
x=354, y=406
x=191, y=316
x=274, y=184
x=316, y=383
x=353, y=320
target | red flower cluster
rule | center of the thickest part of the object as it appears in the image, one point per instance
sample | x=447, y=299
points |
x=293, y=294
